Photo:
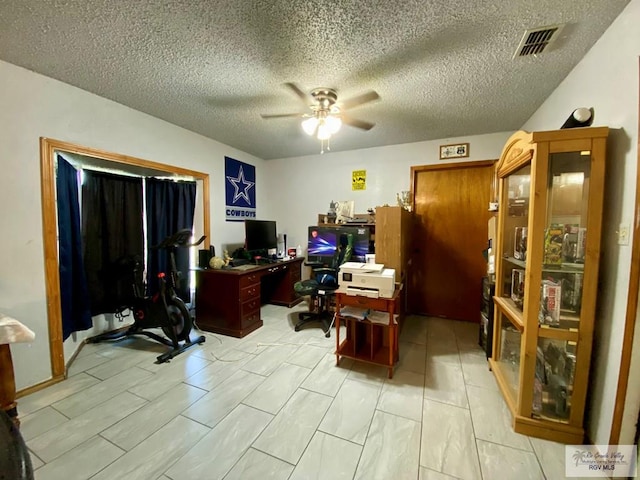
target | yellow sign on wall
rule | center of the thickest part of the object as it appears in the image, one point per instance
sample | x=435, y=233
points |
x=359, y=180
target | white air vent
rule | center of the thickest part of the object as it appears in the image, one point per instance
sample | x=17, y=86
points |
x=537, y=40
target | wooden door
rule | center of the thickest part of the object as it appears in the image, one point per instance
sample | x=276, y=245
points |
x=451, y=204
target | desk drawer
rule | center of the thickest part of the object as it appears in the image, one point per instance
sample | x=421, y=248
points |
x=249, y=319
x=295, y=275
x=249, y=307
x=250, y=293
x=381, y=304
x=249, y=279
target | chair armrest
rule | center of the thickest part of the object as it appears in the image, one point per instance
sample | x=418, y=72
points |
x=325, y=270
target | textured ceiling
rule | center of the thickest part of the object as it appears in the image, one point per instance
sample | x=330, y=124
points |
x=443, y=68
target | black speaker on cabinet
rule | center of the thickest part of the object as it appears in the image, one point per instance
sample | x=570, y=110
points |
x=205, y=255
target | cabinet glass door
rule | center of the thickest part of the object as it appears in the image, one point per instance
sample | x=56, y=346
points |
x=553, y=382
x=514, y=244
x=509, y=356
x=565, y=239
x=563, y=259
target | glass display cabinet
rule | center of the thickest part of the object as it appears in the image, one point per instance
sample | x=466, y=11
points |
x=547, y=253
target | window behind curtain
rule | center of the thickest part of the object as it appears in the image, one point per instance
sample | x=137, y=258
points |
x=170, y=207
x=112, y=228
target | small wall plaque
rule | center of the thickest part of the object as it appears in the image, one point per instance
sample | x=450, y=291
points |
x=458, y=150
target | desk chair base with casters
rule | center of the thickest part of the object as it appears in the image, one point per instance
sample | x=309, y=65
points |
x=322, y=286
x=320, y=312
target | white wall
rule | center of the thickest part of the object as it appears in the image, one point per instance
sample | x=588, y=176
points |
x=306, y=185
x=35, y=106
x=607, y=79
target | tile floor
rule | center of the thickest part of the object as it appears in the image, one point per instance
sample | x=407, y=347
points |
x=273, y=405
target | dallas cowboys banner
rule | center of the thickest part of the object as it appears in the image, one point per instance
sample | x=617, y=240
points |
x=240, y=191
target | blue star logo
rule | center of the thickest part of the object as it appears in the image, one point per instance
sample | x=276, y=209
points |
x=241, y=191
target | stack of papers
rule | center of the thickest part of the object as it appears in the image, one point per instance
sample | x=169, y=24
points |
x=374, y=316
x=354, y=312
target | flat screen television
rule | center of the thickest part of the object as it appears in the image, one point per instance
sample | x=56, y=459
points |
x=260, y=236
x=323, y=242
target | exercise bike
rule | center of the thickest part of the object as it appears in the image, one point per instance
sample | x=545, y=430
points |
x=164, y=309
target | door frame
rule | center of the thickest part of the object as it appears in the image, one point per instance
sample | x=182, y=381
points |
x=48, y=149
x=443, y=166
x=631, y=312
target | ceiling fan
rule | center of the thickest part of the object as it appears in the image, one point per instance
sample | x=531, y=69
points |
x=327, y=114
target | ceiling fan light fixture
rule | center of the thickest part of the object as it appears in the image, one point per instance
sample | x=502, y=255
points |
x=322, y=127
x=333, y=124
x=326, y=117
x=310, y=125
x=324, y=133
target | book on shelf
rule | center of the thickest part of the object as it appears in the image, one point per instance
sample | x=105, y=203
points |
x=571, y=289
x=553, y=241
x=550, y=299
x=517, y=286
x=520, y=243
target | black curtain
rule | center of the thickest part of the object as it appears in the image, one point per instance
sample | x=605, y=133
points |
x=112, y=216
x=74, y=297
x=170, y=207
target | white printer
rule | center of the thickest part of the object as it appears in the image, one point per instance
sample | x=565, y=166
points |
x=367, y=279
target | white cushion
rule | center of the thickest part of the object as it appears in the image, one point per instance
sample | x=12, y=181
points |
x=12, y=331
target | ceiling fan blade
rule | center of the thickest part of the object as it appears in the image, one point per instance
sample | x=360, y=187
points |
x=281, y=115
x=359, y=100
x=357, y=123
x=299, y=93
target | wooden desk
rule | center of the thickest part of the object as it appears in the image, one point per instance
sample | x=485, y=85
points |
x=367, y=341
x=228, y=301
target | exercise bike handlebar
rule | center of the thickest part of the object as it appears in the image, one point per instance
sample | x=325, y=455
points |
x=178, y=239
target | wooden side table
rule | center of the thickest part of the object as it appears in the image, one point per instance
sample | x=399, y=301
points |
x=367, y=341
x=11, y=331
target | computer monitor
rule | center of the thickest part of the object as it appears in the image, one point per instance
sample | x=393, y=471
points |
x=361, y=242
x=323, y=242
x=260, y=236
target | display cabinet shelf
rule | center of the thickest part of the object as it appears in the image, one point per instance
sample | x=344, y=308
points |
x=515, y=261
x=564, y=268
x=570, y=335
x=551, y=190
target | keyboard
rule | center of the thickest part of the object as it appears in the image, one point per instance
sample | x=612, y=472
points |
x=236, y=262
x=265, y=261
x=246, y=266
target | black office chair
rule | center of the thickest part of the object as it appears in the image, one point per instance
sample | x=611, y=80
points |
x=15, y=462
x=322, y=286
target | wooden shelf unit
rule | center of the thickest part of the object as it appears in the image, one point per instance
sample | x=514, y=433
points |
x=367, y=341
x=393, y=239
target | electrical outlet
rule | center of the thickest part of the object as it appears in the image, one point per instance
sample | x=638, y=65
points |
x=623, y=234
